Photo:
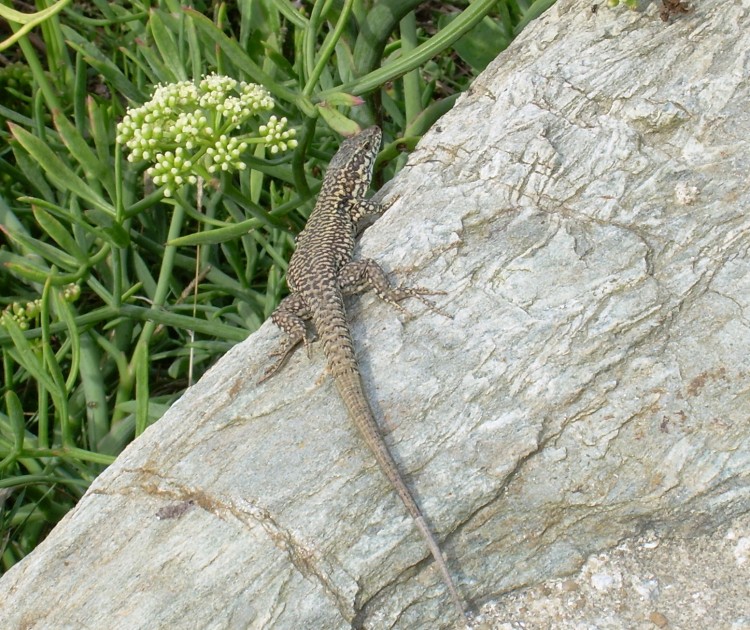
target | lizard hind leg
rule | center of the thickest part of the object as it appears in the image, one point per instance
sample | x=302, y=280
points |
x=290, y=315
x=359, y=276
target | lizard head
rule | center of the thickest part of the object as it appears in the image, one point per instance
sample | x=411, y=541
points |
x=355, y=158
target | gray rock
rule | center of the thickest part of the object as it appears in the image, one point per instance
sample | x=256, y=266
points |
x=585, y=205
x=680, y=580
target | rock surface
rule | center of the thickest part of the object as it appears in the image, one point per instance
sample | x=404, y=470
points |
x=585, y=205
x=680, y=581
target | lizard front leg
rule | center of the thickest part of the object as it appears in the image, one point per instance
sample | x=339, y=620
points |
x=364, y=208
x=359, y=276
x=290, y=315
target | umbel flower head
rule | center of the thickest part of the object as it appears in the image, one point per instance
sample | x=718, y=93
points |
x=24, y=313
x=186, y=129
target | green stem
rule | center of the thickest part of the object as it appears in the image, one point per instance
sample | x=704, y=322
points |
x=59, y=393
x=329, y=46
x=309, y=37
x=298, y=158
x=139, y=362
x=378, y=22
x=412, y=92
x=29, y=20
x=40, y=78
x=117, y=253
x=458, y=27
x=129, y=311
x=284, y=7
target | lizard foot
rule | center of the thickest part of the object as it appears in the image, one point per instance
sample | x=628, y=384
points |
x=283, y=353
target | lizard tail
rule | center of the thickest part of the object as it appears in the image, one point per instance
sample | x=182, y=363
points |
x=349, y=386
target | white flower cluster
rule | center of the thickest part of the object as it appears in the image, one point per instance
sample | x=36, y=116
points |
x=226, y=153
x=171, y=168
x=24, y=313
x=21, y=313
x=185, y=129
x=276, y=136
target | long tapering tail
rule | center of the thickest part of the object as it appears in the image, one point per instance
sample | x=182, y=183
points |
x=349, y=385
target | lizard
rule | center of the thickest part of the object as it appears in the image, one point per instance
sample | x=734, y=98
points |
x=321, y=271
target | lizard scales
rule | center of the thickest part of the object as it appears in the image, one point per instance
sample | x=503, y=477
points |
x=321, y=272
